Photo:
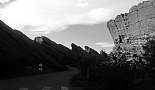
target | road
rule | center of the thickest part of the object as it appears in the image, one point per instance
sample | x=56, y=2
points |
x=52, y=81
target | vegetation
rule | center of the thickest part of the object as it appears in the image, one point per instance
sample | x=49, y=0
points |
x=116, y=72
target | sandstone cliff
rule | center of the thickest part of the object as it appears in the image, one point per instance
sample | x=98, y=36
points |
x=58, y=51
x=140, y=20
x=130, y=30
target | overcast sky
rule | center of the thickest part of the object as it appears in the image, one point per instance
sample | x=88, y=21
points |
x=82, y=22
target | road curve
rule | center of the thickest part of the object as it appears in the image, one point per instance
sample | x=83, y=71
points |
x=52, y=81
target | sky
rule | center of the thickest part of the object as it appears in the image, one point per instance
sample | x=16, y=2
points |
x=82, y=22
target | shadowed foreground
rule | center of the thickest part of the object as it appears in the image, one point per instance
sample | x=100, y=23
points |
x=53, y=81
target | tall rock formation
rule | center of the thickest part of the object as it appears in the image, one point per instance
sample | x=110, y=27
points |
x=58, y=51
x=130, y=30
x=140, y=20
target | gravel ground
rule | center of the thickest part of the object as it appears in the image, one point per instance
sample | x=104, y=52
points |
x=53, y=81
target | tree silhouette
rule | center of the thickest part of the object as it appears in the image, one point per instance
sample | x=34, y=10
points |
x=149, y=49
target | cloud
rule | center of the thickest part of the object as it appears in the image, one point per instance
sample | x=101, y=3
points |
x=41, y=29
x=47, y=16
x=105, y=44
x=82, y=3
x=4, y=3
x=100, y=14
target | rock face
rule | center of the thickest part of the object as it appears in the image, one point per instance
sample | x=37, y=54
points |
x=88, y=54
x=77, y=49
x=58, y=51
x=130, y=30
x=91, y=51
x=139, y=21
x=77, y=52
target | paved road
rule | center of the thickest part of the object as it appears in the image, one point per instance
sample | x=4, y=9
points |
x=53, y=81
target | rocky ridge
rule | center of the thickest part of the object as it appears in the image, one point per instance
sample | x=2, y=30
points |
x=20, y=54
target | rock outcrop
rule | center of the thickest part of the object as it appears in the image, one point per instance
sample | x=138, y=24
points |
x=139, y=21
x=130, y=30
x=58, y=51
x=88, y=54
x=91, y=51
x=77, y=50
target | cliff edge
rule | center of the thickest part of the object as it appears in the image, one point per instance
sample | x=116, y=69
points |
x=140, y=20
